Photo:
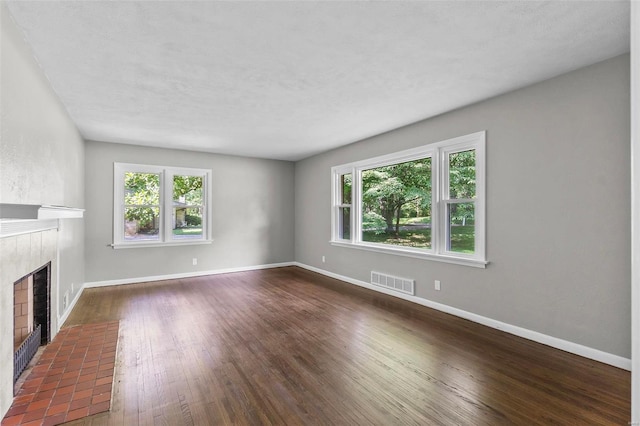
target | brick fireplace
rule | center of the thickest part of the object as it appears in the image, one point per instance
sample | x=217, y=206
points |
x=22, y=255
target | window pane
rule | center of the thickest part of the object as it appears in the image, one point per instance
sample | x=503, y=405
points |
x=141, y=223
x=396, y=204
x=345, y=185
x=187, y=222
x=141, y=189
x=462, y=174
x=461, y=227
x=344, y=227
x=187, y=206
x=187, y=190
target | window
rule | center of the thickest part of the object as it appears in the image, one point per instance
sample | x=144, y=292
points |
x=156, y=205
x=426, y=202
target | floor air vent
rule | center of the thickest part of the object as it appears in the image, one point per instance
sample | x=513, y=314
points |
x=403, y=285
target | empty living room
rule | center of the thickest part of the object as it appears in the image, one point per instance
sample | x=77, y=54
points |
x=319, y=212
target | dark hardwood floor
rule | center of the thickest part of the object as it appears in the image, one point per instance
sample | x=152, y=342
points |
x=288, y=346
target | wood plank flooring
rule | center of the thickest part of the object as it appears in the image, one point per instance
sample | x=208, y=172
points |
x=288, y=346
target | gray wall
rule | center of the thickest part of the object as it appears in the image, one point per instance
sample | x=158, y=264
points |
x=252, y=214
x=558, y=184
x=41, y=151
x=41, y=162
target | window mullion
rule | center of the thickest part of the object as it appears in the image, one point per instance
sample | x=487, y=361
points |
x=441, y=174
x=356, y=205
x=166, y=203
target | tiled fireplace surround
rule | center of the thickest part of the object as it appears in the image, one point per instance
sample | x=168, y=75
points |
x=19, y=256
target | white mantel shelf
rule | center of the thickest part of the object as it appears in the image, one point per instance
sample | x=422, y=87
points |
x=17, y=219
x=38, y=212
x=13, y=227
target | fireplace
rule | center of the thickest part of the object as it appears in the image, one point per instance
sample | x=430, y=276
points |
x=31, y=316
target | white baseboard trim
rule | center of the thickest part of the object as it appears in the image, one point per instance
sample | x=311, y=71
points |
x=574, y=348
x=183, y=275
x=62, y=318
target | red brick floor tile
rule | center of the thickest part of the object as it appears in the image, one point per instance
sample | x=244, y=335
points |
x=54, y=420
x=89, y=370
x=77, y=414
x=79, y=403
x=87, y=377
x=74, y=362
x=57, y=409
x=54, y=378
x=108, y=366
x=48, y=394
x=72, y=379
x=49, y=386
x=104, y=380
x=88, y=364
x=34, y=415
x=82, y=394
x=40, y=368
x=68, y=382
x=17, y=409
x=101, y=398
x=78, y=354
x=84, y=386
x=73, y=367
x=12, y=421
x=92, y=357
x=70, y=375
x=37, y=422
x=32, y=383
x=106, y=373
x=99, y=408
x=37, y=405
x=102, y=389
x=59, y=399
x=23, y=399
x=49, y=355
x=55, y=370
x=65, y=390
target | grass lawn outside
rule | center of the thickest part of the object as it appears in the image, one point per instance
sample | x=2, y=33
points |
x=462, y=238
x=195, y=231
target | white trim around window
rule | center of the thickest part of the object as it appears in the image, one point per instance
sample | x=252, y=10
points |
x=163, y=203
x=347, y=227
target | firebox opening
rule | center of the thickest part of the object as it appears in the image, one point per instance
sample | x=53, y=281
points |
x=32, y=316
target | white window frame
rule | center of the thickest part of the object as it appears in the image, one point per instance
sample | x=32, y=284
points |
x=166, y=205
x=439, y=153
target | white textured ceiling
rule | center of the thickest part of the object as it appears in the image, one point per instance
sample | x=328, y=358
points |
x=287, y=80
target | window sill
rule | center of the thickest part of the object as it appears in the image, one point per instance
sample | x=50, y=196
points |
x=159, y=244
x=411, y=253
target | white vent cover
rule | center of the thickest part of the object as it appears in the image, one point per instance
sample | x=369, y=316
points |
x=403, y=285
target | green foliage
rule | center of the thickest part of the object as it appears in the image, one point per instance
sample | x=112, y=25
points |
x=373, y=222
x=401, y=191
x=142, y=196
x=142, y=193
x=193, y=220
x=462, y=174
x=188, y=188
x=462, y=184
x=346, y=181
x=386, y=190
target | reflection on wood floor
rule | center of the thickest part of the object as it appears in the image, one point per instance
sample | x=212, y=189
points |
x=288, y=346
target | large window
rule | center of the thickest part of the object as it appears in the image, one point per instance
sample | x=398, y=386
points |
x=426, y=202
x=156, y=205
